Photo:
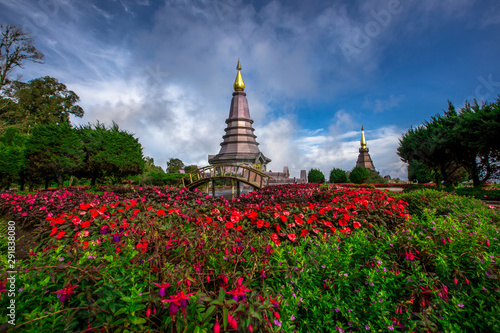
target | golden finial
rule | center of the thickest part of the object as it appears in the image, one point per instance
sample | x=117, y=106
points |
x=239, y=85
x=363, y=140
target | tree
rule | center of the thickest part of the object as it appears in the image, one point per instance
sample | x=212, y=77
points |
x=174, y=165
x=315, y=176
x=41, y=101
x=16, y=47
x=338, y=176
x=12, y=145
x=478, y=147
x=457, y=144
x=53, y=151
x=109, y=152
x=190, y=168
x=419, y=172
x=359, y=175
x=149, y=165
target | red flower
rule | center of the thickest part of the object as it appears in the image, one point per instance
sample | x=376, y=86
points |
x=54, y=231
x=3, y=286
x=85, y=224
x=304, y=232
x=356, y=225
x=65, y=293
x=229, y=225
x=160, y=212
x=240, y=291
x=260, y=224
x=292, y=237
x=142, y=246
x=61, y=234
x=216, y=327
x=253, y=215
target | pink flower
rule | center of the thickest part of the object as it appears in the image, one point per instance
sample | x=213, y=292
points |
x=216, y=327
x=177, y=301
x=232, y=321
x=162, y=286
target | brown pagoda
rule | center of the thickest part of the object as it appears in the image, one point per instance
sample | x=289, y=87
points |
x=239, y=145
x=364, y=159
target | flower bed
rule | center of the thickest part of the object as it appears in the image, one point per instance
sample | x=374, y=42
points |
x=285, y=258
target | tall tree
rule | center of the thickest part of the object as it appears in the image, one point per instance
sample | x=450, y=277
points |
x=109, y=152
x=419, y=172
x=53, y=151
x=190, y=168
x=174, y=165
x=12, y=145
x=457, y=144
x=16, y=47
x=41, y=101
x=149, y=165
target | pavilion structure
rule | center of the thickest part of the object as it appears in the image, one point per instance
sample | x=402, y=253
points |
x=239, y=145
x=364, y=159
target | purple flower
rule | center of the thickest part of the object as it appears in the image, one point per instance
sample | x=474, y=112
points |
x=367, y=327
x=461, y=305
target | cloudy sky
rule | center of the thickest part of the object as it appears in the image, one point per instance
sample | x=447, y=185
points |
x=315, y=71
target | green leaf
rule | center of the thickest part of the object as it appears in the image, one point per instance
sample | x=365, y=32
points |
x=222, y=294
x=121, y=310
x=210, y=311
x=136, y=320
x=224, y=318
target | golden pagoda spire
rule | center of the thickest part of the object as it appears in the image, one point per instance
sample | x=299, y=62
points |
x=363, y=140
x=239, y=85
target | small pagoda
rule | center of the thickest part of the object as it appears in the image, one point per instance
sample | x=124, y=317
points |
x=364, y=159
x=239, y=145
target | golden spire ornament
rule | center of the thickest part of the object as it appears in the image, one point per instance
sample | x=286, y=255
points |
x=363, y=140
x=239, y=85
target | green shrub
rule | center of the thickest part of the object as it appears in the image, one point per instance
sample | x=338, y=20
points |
x=162, y=179
x=375, y=178
x=338, y=176
x=473, y=192
x=359, y=175
x=315, y=176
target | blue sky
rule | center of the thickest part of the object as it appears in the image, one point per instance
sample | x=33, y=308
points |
x=315, y=71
